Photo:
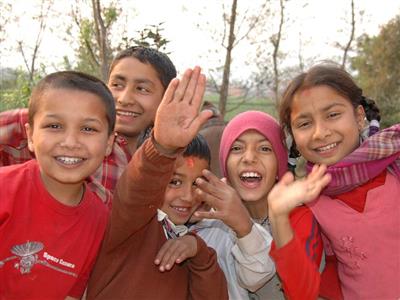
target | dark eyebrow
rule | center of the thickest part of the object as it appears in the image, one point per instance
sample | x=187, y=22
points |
x=324, y=109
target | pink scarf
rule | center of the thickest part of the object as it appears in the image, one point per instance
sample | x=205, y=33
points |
x=375, y=154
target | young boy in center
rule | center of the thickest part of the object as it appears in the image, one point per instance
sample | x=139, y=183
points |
x=147, y=252
x=51, y=224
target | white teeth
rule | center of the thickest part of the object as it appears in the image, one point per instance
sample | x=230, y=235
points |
x=250, y=174
x=181, y=209
x=326, y=148
x=127, y=113
x=69, y=160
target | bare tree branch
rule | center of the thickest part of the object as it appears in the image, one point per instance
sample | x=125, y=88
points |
x=353, y=27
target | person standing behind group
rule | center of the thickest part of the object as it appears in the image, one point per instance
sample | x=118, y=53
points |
x=138, y=78
x=253, y=158
x=359, y=211
x=51, y=224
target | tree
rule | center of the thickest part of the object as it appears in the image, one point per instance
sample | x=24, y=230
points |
x=96, y=50
x=275, y=40
x=377, y=64
x=30, y=60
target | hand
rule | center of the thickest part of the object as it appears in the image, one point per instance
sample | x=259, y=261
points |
x=287, y=193
x=225, y=201
x=178, y=118
x=176, y=251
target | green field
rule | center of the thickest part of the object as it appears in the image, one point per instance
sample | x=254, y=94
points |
x=233, y=107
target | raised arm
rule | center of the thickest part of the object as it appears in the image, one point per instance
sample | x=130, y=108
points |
x=140, y=189
x=297, y=240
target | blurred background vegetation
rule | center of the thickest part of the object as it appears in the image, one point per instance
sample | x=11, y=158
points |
x=373, y=60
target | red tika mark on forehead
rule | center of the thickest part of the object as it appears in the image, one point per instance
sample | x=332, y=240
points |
x=189, y=162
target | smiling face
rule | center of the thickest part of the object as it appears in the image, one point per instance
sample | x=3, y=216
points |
x=252, y=166
x=137, y=91
x=324, y=124
x=179, y=200
x=69, y=137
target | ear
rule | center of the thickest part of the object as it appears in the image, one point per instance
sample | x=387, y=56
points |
x=29, y=133
x=360, y=117
x=110, y=143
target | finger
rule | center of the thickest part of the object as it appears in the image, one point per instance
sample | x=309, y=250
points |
x=210, y=176
x=200, y=120
x=212, y=214
x=287, y=178
x=200, y=88
x=183, y=83
x=168, y=256
x=169, y=93
x=205, y=197
x=224, y=180
x=193, y=86
x=215, y=189
x=162, y=252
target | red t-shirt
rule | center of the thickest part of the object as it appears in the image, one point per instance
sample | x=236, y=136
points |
x=47, y=249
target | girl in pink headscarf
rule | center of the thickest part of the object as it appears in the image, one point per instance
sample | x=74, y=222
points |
x=253, y=157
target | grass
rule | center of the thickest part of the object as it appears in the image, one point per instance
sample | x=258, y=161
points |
x=233, y=108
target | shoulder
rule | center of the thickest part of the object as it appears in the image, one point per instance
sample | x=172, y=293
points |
x=14, y=116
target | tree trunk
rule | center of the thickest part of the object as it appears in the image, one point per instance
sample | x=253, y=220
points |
x=228, y=58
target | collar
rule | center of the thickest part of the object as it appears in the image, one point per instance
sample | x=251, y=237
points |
x=171, y=230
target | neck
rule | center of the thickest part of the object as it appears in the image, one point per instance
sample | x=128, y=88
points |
x=67, y=194
x=257, y=209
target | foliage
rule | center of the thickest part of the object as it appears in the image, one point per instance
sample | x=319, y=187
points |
x=377, y=64
x=95, y=51
x=16, y=87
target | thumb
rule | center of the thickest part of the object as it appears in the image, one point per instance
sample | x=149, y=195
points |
x=201, y=119
x=287, y=178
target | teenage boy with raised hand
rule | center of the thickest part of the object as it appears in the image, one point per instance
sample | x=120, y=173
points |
x=128, y=264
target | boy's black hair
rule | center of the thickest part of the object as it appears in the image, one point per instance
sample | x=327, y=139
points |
x=198, y=147
x=159, y=61
x=72, y=80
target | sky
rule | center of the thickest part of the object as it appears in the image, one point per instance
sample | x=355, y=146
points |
x=191, y=26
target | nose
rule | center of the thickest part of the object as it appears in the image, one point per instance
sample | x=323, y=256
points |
x=249, y=156
x=321, y=130
x=188, y=194
x=71, y=140
x=125, y=98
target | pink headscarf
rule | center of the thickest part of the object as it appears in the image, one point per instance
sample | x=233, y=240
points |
x=265, y=125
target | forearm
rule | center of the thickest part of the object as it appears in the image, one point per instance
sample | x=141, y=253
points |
x=140, y=190
x=304, y=252
x=254, y=267
x=281, y=228
x=206, y=279
x=299, y=275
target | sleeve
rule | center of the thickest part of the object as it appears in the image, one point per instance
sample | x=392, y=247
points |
x=330, y=283
x=13, y=138
x=297, y=262
x=254, y=267
x=139, y=192
x=206, y=279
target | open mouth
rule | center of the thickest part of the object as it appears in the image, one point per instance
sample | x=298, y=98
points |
x=326, y=148
x=250, y=177
x=127, y=113
x=181, y=209
x=68, y=160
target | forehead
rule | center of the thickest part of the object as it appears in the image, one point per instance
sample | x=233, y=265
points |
x=251, y=135
x=317, y=99
x=131, y=68
x=73, y=102
x=190, y=166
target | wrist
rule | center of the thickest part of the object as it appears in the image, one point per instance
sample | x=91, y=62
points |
x=244, y=228
x=167, y=151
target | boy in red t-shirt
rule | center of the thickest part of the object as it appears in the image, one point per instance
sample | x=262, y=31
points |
x=51, y=224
